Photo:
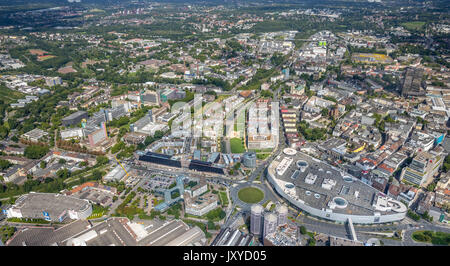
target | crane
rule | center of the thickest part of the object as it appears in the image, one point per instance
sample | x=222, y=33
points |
x=121, y=166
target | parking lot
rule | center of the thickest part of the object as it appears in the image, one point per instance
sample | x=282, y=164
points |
x=155, y=181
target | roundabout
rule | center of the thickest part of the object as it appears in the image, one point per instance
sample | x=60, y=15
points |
x=250, y=195
x=244, y=195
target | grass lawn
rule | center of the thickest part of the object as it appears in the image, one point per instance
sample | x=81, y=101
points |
x=237, y=145
x=222, y=97
x=251, y=195
x=272, y=207
x=262, y=156
x=413, y=25
x=223, y=198
x=95, y=215
x=97, y=211
x=436, y=238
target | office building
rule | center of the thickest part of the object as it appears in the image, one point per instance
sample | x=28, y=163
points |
x=146, y=126
x=202, y=166
x=53, y=81
x=96, y=119
x=422, y=168
x=256, y=213
x=98, y=136
x=71, y=133
x=35, y=135
x=200, y=188
x=116, y=174
x=249, y=159
x=199, y=206
x=158, y=158
x=172, y=94
x=260, y=135
x=412, y=83
x=74, y=118
x=150, y=98
x=116, y=112
x=282, y=212
x=270, y=223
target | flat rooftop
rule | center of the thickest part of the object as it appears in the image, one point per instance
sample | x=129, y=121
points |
x=319, y=183
x=74, y=115
x=112, y=232
x=122, y=232
x=33, y=204
x=35, y=133
x=165, y=233
x=47, y=236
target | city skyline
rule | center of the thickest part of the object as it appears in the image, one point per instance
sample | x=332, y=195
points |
x=224, y=123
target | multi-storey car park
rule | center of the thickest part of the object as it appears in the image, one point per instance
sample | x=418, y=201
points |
x=327, y=192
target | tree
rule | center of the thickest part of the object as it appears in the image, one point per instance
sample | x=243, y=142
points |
x=36, y=151
x=4, y=164
x=6, y=232
x=30, y=184
x=431, y=187
x=63, y=173
x=211, y=225
x=266, y=94
x=96, y=174
x=218, y=214
x=312, y=134
x=234, y=45
x=303, y=230
x=117, y=147
x=277, y=59
x=43, y=164
x=102, y=160
x=413, y=215
x=389, y=119
x=446, y=165
x=3, y=132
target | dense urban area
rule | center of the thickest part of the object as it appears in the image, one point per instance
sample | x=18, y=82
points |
x=224, y=123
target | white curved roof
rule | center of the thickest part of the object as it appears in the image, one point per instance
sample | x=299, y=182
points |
x=256, y=208
x=289, y=151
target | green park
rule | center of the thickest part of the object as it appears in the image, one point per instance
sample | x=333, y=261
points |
x=251, y=195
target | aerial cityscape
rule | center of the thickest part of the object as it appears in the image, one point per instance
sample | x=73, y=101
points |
x=224, y=123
